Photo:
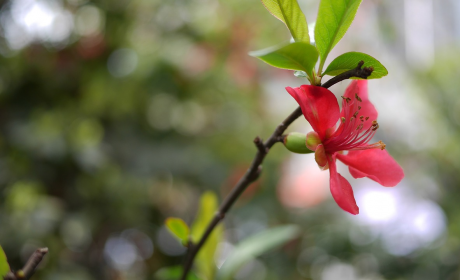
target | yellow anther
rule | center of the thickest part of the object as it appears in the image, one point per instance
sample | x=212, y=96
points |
x=375, y=125
x=346, y=98
x=357, y=97
x=343, y=119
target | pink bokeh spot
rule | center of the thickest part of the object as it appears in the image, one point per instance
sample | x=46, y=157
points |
x=302, y=187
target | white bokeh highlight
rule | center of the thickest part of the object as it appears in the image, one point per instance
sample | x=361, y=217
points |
x=27, y=21
x=404, y=222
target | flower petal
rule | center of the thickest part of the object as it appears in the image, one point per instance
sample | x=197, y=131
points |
x=367, y=109
x=320, y=156
x=341, y=189
x=375, y=164
x=319, y=106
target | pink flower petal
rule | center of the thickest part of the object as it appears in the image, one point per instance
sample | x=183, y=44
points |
x=341, y=189
x=320, y=156
x=375, y=164
x=319, y=106
x=367, y=109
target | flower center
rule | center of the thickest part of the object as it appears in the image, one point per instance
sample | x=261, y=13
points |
x=350, y=134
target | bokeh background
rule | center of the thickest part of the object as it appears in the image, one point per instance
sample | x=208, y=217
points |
x=116, y=114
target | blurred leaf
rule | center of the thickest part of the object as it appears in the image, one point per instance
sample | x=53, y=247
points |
x=24, y=196
x=350, y=60
x=295, y=56
x=173, y=273
x=256, y=245
x=179, y=229
x=334, y=18
x=289, y=12
x=4, y=266
x=205, y=259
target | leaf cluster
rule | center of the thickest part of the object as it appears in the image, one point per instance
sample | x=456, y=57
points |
x=248, y=249
x=334, y=19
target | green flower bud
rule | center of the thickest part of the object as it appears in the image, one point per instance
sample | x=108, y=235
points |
x=296, y=143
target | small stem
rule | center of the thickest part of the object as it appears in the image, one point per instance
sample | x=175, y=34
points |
x=320, y=68
x=255, y=169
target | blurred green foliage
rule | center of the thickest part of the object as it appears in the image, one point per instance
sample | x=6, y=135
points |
x=4, y=267
x=126, y=122
x=90, y=151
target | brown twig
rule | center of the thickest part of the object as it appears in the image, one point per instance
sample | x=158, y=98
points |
x=29, y=268
x=255, y=169
x=358, y=72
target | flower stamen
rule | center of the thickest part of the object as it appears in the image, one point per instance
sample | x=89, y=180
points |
x=346, y=98
x=375, y=125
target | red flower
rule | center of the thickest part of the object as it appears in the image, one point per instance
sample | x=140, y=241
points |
x=357, y=126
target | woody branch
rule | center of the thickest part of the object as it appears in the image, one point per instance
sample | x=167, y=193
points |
x=29, y=268
x=255, y=169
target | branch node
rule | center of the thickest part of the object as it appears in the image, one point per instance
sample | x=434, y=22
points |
x=260, y=145
x=190, y=244
x=220, y=215
x=20, y=274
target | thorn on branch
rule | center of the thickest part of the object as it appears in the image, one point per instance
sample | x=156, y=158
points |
x=260, y=145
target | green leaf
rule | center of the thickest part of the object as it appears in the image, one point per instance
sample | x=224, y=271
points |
x=289, y=12
x=334, y=18
x=350, y=60
x=179, y=229
x=4, y=266
x=205, y=259
x=173, y=273
x=256, y=245
x=295, y=56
